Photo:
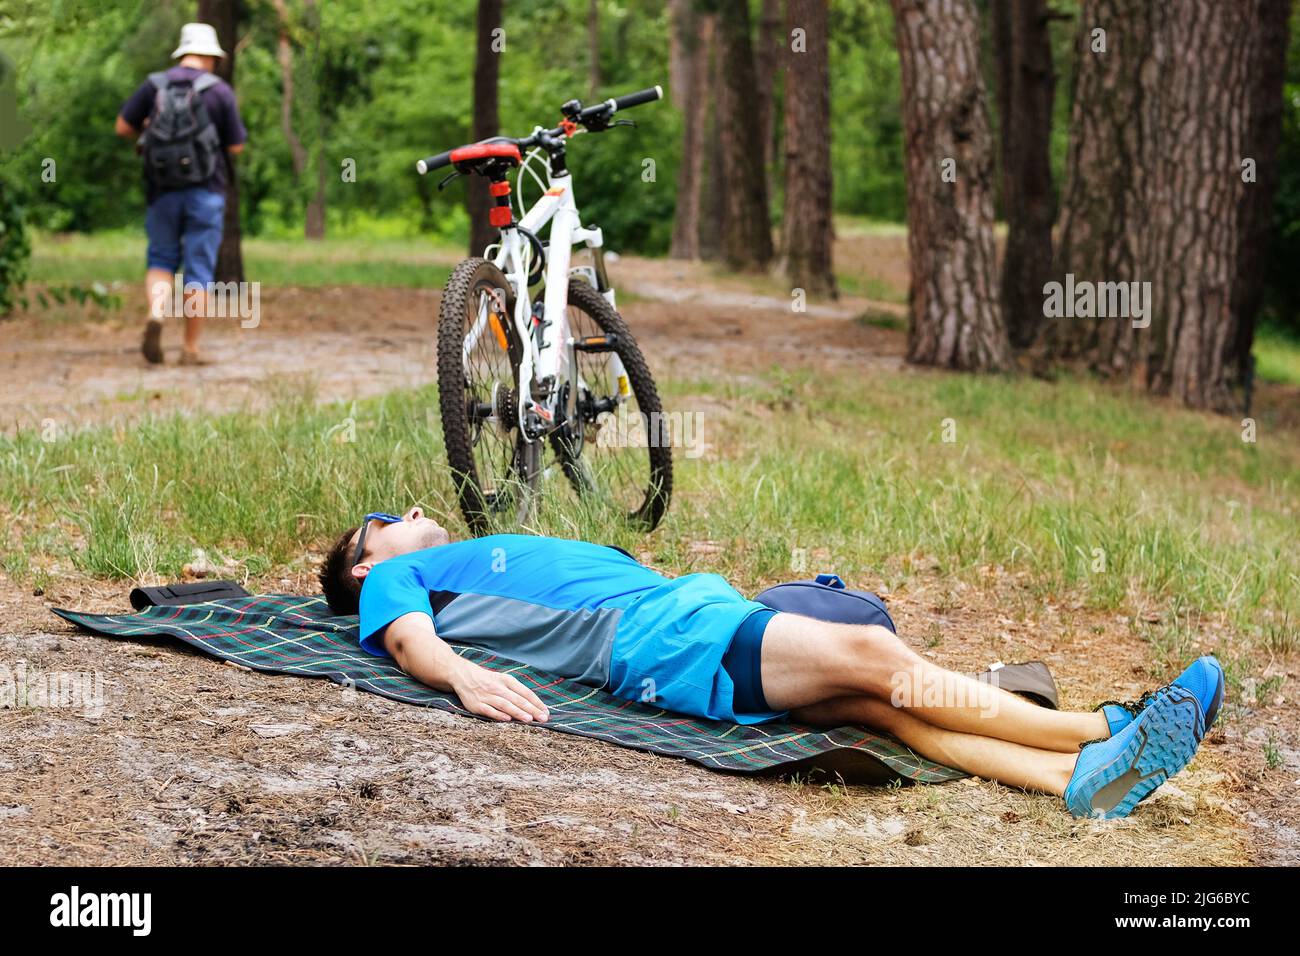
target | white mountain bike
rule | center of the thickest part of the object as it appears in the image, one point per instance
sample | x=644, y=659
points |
x=527, y=384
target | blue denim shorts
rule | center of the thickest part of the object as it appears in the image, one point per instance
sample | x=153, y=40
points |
x=184, y=229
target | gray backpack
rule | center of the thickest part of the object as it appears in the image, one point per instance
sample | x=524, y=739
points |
x=181, y=146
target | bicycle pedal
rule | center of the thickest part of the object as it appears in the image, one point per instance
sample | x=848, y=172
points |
x=596, y=343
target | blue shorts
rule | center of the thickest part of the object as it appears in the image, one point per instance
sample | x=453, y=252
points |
x=673, y=645
x=184, y=228
x=744, y=662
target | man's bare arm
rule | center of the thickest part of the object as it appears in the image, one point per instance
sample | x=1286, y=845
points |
x=236, y=149
x=123, y=128
x=418, y=650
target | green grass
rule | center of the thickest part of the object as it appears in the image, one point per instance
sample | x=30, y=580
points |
x=854, y=474
x=1277, y=356
x=78, y=259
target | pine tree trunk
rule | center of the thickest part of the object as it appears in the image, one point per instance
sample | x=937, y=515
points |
x=1154, y=191
x=807, y=229
x=768, y=54
x=712, y=182
x=1194, y=202
x=315, y=226
x=1270, y=41
x=224, y=17
x=956, y=319
x=1101, y=225
x=690, y=39
x=593, y=48
x=1026, y=86
x=746, y=231
x=487, y=122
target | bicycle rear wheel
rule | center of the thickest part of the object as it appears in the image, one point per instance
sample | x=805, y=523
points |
x=617, y=451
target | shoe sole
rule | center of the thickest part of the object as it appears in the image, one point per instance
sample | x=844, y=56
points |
x=1216, y=702
x=1160, y=747
x=152, y=345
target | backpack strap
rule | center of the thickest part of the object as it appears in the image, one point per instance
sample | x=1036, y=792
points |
x=204, y=82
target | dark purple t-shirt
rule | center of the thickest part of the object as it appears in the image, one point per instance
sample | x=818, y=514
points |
x=218, y=100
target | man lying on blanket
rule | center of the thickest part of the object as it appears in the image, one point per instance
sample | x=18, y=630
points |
x=694, y=645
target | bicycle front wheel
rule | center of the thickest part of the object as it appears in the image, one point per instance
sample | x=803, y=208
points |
x=479, y=355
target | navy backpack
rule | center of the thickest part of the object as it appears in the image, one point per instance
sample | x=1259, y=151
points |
x=827, y=599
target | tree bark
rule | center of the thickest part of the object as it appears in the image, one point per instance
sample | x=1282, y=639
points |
x=1270, y=41
x=807, y=228
x=768, y=56
x=487, y=122
x=284, y=55
x=1155, y=194
x=224, y=17
x=1194, y=205
x=1026, y=86
x=315, y=225
x=713, y=180
x=593, y=48
x=1100, y=228
x=689, y=46
x=746, y=230
x=956, y=319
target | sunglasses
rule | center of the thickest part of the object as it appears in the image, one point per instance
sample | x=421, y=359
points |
x=365, y=526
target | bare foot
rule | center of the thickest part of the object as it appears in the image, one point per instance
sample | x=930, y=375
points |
x=194, y=358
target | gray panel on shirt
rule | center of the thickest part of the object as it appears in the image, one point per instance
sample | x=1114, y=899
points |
x=573, y=644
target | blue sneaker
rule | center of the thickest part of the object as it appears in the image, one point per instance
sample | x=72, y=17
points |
x=1203, y=677
x=1113, y=776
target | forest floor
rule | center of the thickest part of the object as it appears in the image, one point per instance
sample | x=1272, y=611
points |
x=196, y=762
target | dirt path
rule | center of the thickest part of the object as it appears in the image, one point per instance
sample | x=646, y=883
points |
x=193, y=761
x=355, y=342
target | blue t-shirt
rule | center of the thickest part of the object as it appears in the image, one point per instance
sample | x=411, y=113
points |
x=548, y=602
x=583, y=611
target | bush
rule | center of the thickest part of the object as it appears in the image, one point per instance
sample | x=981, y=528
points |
x=15, y=248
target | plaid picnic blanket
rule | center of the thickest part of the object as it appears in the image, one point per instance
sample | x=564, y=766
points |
x=287, y=634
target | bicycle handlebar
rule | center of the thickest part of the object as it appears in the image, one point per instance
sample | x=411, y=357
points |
x=640, y=96
x=594, y=115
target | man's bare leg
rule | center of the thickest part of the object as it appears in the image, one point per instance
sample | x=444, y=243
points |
x=807, y=662
x=1012, y=764
x=158, y=293
x=196, y=307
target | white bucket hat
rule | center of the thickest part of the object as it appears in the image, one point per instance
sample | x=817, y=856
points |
x=200, y=38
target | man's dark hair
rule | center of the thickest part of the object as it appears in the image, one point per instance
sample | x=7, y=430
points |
x=342, y=590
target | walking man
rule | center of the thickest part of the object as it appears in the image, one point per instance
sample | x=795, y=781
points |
x=186, y=122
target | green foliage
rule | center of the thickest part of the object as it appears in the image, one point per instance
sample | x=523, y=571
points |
x=867, y=123
x=1282, y=279
x=385, y=82
x=15, y=248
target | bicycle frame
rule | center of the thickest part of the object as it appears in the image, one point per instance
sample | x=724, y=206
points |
x=554, y=360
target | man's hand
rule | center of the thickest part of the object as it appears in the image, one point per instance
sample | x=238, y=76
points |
x=418, y=650
x=492, y=694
